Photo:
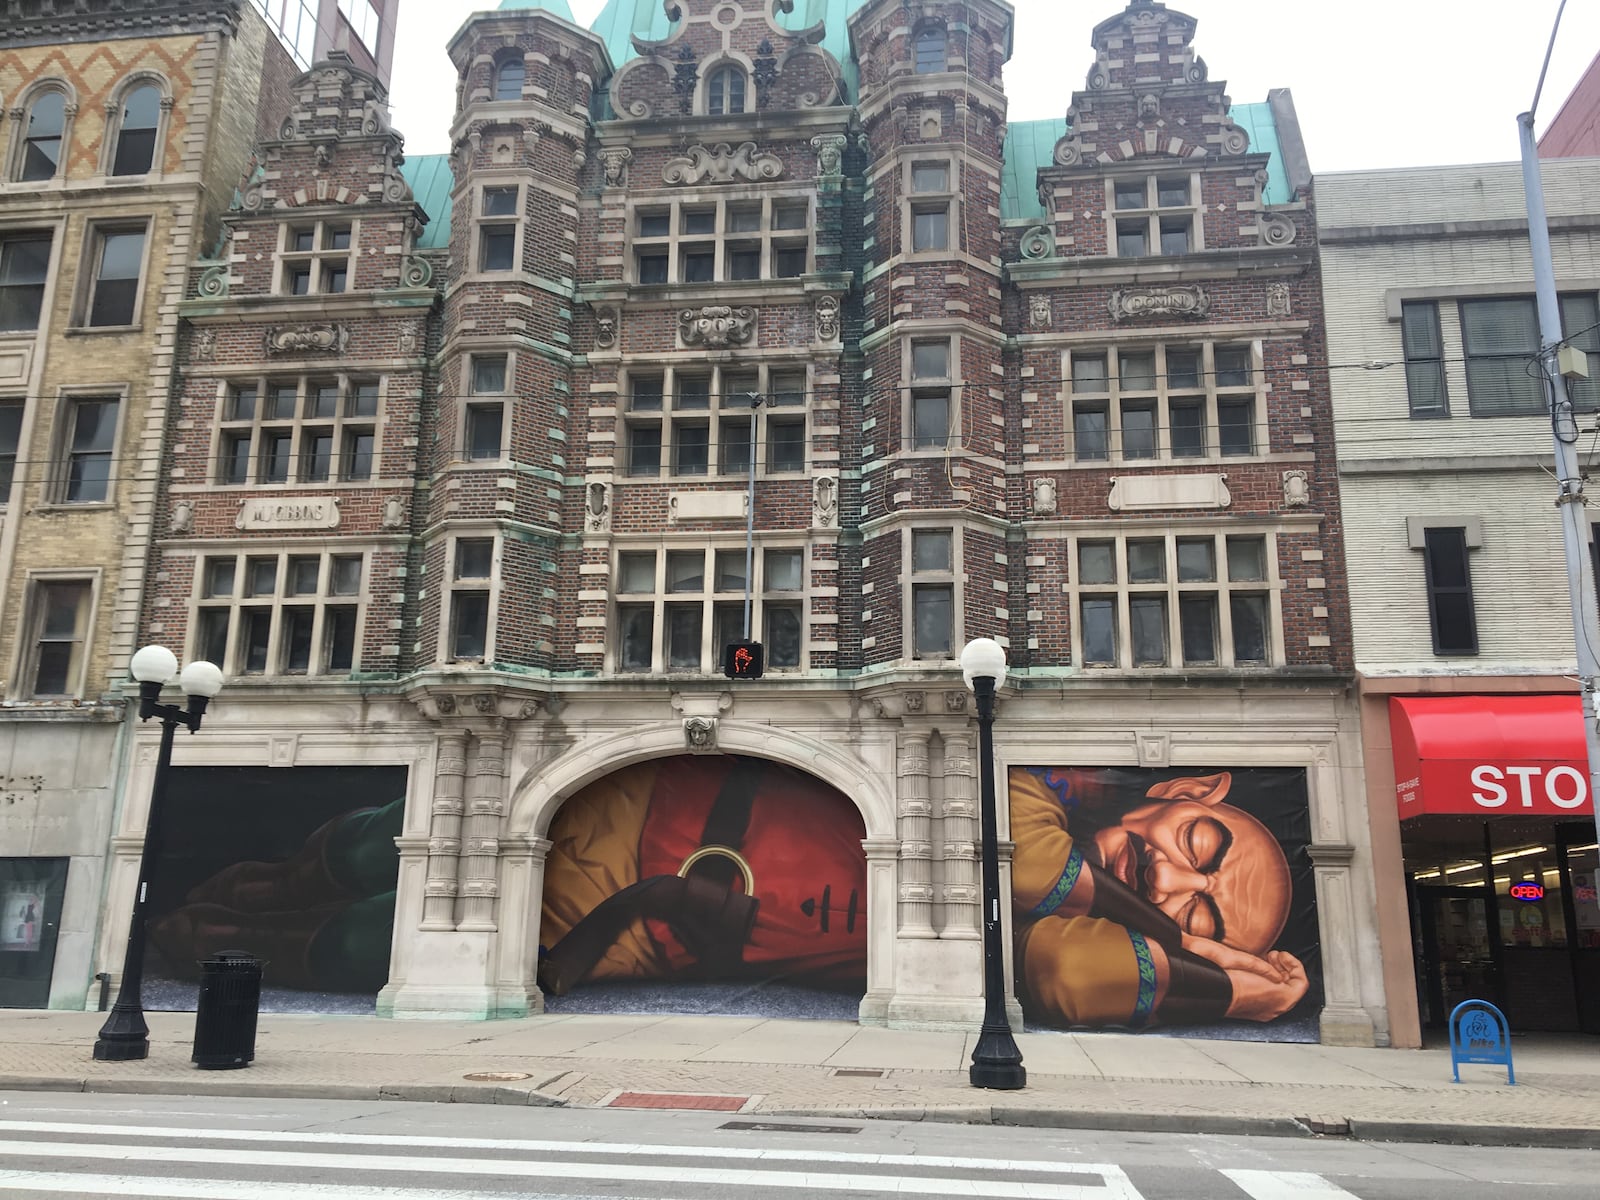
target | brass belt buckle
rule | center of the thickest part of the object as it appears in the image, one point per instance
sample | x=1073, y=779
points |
x=727, y=852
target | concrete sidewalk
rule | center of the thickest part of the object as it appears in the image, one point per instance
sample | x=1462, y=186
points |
x=843, y=1070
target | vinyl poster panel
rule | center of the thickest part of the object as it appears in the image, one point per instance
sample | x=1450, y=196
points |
x=706, y=883
x=296, y=866
x=1172, y=900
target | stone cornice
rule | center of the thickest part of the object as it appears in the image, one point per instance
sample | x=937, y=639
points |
x=1229, y=263
x=764, y=125
x=348, y=306
x=41, y=22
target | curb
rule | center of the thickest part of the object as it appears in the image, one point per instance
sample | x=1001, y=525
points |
x=424, y=1093
x=1361, y=1130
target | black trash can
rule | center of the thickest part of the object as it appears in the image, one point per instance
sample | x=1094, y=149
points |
x=225, y=1014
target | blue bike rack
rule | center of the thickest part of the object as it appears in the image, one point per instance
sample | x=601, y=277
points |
x=1479, y=1033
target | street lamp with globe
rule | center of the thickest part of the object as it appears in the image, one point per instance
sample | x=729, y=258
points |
x=125, y=1035
x=996, y=1060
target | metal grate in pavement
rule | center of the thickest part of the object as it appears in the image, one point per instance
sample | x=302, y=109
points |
x=859, y=1072
x=782, y=1127
x=687, y=1101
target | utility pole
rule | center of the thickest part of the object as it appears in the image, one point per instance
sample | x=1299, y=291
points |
x=1570, y=499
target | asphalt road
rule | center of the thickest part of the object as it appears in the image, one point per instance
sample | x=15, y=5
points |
x=84, y=1147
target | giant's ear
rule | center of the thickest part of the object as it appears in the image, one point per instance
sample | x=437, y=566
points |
x=1200, y=789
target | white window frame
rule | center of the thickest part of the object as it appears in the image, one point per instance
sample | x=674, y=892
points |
x=726, y=406
x=472, y=401
x=19, y=402
x=949, y=385
x=709, y=600
x=63, y=426
x=26, y=657
x=481, y=221
x=89, y=273
x=451, y=586
x=1209, y=394
x=1122, y=590
x=1152, y=213
x=237, y=604
x=913, y=202
x=111, y=142
x=723, y=240
x=19, y=136
x=45, y=285
x=953, y=579
x=300, y=428
x=727, y=68
x=319, y=258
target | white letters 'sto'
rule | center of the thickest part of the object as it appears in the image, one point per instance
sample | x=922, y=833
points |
x=1492, y=793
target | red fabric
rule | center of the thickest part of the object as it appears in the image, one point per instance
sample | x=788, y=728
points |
x=803, y=845
x=1483, y=755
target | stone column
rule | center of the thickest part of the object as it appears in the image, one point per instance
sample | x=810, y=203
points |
x=883, y=855
x=444, y=833
x=1344, y=1022
x=959, y=843
x=516, y=988
x=916, y=838
x=486, y=808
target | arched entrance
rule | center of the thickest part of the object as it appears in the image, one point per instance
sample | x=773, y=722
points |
x=705, y=883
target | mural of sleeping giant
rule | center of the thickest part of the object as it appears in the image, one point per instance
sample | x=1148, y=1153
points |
x=296, y=866
x=705, y=868
x=1165, y=899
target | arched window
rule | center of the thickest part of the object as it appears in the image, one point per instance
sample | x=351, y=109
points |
x=508, y=80
x=725, y=92
x=931, y=51
x=41, y=141
x=136, y=135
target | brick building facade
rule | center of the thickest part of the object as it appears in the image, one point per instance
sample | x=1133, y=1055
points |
x=1058, y=383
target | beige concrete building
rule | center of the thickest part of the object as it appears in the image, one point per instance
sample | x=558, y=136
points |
x=1482, y=829
x=125, y=135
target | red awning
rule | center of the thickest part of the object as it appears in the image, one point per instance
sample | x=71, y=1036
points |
x=1512, y=755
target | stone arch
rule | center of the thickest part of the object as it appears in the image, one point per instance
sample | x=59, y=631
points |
x=540, y=795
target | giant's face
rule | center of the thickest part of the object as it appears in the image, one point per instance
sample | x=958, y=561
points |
x=1211, y=867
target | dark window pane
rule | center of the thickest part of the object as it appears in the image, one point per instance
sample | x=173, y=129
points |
x=1097, y=562
x=363, y=400
x=474, y=558
x=636, y=572
x=1580, y=324
x=931, y=550
x=483, y=431
x=276, y=451
x=1233, y=366
x=730, y=572
x=257, y=635
x=262, y=576
x=116, y=289
x=489, y=373
x=726, y=92
x=1147, y=562
x=499, y=248
x=470, y=624
x=358, y=455
x=24, y=262
x=930, y=360
x=744, y=218
x=1131, y=193
x=1172, y=193
x=1090, y=439
x=1188, y=430
x=791, y=216
x=1149, y=617
x=1089, y=373
x=699, y=266
x=281, y=403
x=1099, y=621
x=930, y=51
x=638, y=636
x=1247, y=559
x=1425, y=387
x=297, y=623
x=697, y=221
x=1249, y=628
x=136, y=140
x=691, y=449
x=41, y=147
x=55, y=665
x=1133, y=239
x=346, y=580
x=322, y=400
x=333, y=280
x=90, y=453
x=930, y=177
x=686, y=571
x=734, y=454
x=782, y=570
x=303, y=239
x=652, y=268
x=340, y=626
x=1501, y=339
x=500, y=202
x=644, y=450
x=236, y=458
x=316, y=457
x=788, y=388
x=655, y=224
x=1136, y=372
x=213, y=640
x=693, y=393
x=930, y=415
x=744, y=263
x=219, y=577
x=788, y=441
x=782, y=641
x=1197, y=616
x=300, y=281
x=934, y=618
x=1138, y=431
x=1183, y=370
x=1236, y=426
x=10, y=433
x=1175, y=237
x=930, y=230
x=727, y=625
x=788, y=262
x=646, y=394
x=683, y=636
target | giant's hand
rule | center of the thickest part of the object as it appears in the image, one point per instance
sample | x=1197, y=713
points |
x=1231, y=959
x=1261, y=997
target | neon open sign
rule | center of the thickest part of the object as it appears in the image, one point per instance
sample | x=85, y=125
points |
x=1527, y=891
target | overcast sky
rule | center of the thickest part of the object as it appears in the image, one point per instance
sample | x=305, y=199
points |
x=1377, y=83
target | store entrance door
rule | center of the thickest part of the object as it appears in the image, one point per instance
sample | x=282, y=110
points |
x=31, y=894
x=1578, y=857
x=1459, y=953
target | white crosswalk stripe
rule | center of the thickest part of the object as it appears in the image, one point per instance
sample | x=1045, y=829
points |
x=214, y=1189
x=1286, y=1185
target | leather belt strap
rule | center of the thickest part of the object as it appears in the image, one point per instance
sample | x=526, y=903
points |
x=705, y=914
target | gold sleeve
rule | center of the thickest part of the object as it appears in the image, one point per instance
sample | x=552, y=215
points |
x=1079, y=971
x=595, y=854
x=1039, y=830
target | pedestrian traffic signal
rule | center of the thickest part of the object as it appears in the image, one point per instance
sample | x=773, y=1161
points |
x=743, y=660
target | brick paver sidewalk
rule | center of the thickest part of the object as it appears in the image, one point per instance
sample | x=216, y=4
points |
x=844, y=1070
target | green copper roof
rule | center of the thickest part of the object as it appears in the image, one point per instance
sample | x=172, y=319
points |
x=623, y=20
x=557, y=7
x=1031, y=145
x=431, y=183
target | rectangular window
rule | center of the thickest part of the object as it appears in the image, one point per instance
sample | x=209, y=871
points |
x=1424, y=354
x=61, y=623
x=1089, y=374
x=1580, y=325
x=930, y=420
x=10, y=440
x=119, y=259
x=500, y=201
x=316, y=258
x=930, y=177
x=278, y=614
x=89, y=445
x=932, y=592
x=1138, y=431
x=1091, y=443
x=1130, y=194
x=1236, y=426
x=24, y=266
x=488, y=374
x=484, y=429
x=788, y=262
x=1501, y=342
x=310, y=430
x=497, y=248
x=691, y=449
x=930, y=228
x=644, y=450
x=1140, y=227
x=652, y=267
x=787, y=445
x=730, y=240
x=1098, y=616
x=1175, y=235
x=1133, y=239
x=1449, y=578
x=1188, y=430
x=469, y=604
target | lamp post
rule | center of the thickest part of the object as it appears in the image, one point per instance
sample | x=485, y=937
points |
x=996, y=1061
x=125, y=1035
